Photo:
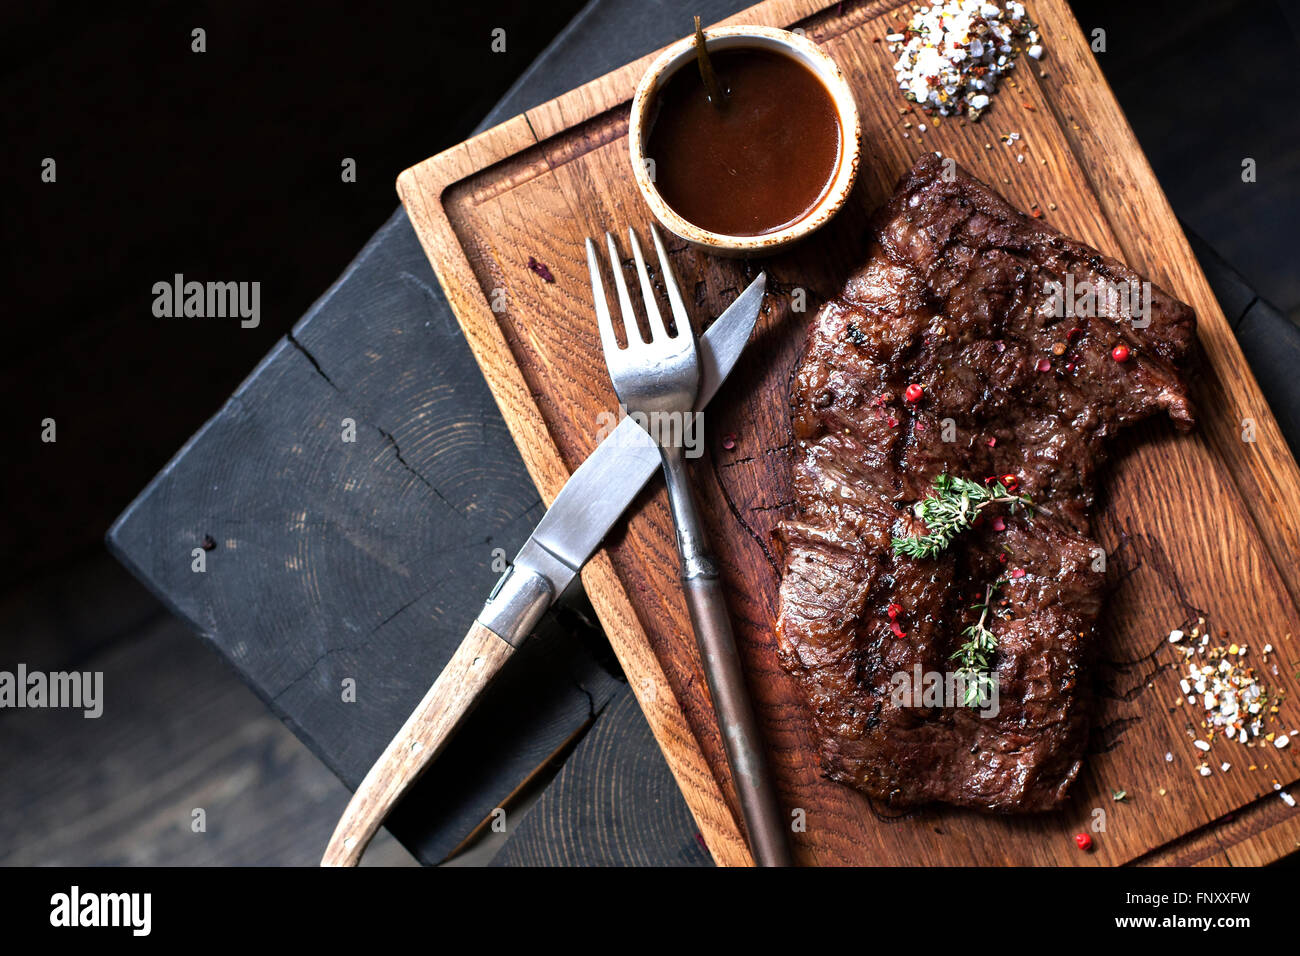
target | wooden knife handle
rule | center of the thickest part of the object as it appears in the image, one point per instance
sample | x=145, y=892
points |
x=423, y=736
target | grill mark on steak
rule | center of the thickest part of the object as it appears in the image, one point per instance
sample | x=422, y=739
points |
x=952, y=297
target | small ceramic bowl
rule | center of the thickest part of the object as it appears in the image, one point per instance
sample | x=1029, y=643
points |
x=682, y=54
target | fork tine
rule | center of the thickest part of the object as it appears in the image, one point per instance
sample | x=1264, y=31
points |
x=630, y=328
x=658, y=331
x=606, y=324
x=680, y=318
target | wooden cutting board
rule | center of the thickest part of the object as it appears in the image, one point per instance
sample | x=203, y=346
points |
x=1205, y=525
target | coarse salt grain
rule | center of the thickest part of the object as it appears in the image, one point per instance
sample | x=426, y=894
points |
x=951, y=54
x=1234, y=702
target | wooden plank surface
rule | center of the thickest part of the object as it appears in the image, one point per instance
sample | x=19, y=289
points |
x=613, y=804
x=534, y=186
x=122, y=789
x=367, y=560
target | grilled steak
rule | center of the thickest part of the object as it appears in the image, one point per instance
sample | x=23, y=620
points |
x=955, y=297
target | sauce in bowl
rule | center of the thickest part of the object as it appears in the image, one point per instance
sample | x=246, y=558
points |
x=757, y=164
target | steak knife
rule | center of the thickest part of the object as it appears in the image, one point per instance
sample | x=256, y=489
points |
x=593, y=498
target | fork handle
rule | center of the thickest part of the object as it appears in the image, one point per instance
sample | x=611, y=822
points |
x=731, y=702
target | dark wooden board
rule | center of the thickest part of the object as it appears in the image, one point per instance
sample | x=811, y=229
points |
x=534, y=186
x=614, y=803
x=366, y=560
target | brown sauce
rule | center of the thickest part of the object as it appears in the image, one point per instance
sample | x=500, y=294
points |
x=758, y=164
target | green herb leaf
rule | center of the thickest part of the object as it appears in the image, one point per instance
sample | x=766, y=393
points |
x=980, y=646
x=950, y=510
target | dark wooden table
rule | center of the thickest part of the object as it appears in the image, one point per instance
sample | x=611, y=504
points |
x=339, y=575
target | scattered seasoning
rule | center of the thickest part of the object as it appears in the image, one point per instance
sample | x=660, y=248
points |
x=952, y=54
x=540, y=269
x=1083, y=842
x=1120, y=353
x=913, y=393
x=854, y=335
x=1119, y=796
x=1044, y=365
x=729, y=442
x=1220, y=683
x=209, y=543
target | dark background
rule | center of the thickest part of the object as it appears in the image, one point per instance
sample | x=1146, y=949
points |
x=225, y=165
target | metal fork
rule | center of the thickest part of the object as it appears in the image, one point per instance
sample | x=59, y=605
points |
x=659, y=379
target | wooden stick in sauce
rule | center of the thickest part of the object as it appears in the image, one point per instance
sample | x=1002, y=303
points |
x=716, y=96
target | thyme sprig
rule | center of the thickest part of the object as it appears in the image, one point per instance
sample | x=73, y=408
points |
x=952, y=509
x=979, y=647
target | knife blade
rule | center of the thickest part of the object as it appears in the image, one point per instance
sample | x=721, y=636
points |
x=591, y=501
x=602, y=487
